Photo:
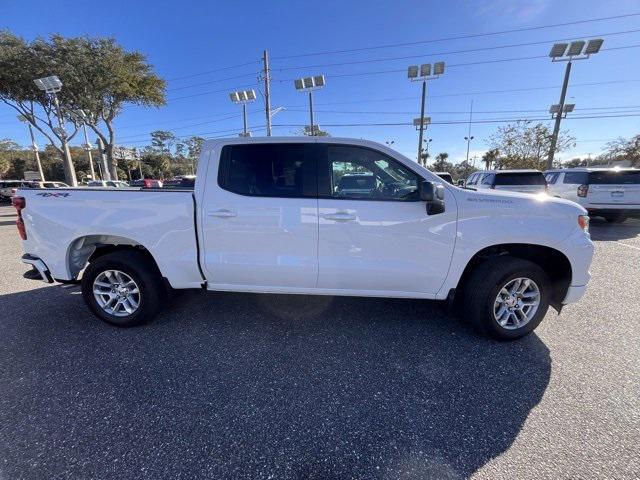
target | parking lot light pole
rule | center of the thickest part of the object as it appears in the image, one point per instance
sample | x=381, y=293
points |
x=52, y=85
x=243, y=97
x=422, y=73
x=309, y=84
x=568, y=52
x=34, y=146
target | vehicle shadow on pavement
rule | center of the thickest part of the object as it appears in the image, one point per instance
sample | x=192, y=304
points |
x=229, y=385
x=602, y=231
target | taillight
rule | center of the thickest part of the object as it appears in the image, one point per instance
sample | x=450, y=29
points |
x=147, y=183
x=583, y=222
x=19, y=203
x=583, y=190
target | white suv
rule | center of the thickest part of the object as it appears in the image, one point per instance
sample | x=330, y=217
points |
x=525, y=181
x=612, y=193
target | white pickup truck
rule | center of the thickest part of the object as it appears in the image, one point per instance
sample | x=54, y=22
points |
x=270, y=215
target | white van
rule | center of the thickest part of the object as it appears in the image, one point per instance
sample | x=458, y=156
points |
x=612, y=193
x=525, y=181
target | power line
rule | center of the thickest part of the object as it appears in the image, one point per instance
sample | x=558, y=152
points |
x=209, y=82
x=454, y=65
x=452, y=52
x=454, y=122
x=207, y=72
x=230, y=89
x=459, y=37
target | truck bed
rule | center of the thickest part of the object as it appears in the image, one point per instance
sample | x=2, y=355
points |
x=62, y=225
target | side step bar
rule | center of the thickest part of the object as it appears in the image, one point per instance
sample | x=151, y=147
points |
x=39, y=266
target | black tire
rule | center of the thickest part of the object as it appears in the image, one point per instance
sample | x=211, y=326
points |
x=145, y=274
x=618, y=218
x=482, y=287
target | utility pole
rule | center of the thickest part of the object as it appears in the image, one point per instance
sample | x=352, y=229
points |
x=267, y=90
x=244, y=119
x=468, y=138
x=556, y=126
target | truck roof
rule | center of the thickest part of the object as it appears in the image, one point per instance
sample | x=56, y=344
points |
x=591, y=169
x=214, y=143
x=514, y=170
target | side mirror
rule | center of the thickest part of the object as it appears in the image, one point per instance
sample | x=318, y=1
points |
x=433, y=195
x=461, y=182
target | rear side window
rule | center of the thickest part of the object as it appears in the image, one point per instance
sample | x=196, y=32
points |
x=520, y=178
x=575, y=178
x=613, y=177
x=268, y=170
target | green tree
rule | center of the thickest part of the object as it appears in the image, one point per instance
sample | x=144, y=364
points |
x=524, y=144
x=441, y=164
x=98, y=76
x=490, y=157
x=162, y=141
x=622, y=149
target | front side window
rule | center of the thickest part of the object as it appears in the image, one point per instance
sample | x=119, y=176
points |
x=551, y=177
x=268, y=170
x=366, y=174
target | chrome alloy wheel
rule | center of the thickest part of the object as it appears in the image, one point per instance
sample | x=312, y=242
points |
x=116, y=293
x=517, y=303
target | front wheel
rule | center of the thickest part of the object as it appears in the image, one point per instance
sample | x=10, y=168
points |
x=506, y=297
x=123, y=288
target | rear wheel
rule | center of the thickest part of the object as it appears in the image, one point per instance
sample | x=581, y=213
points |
x=616, y=218
x=506, y=297
x=123, y=288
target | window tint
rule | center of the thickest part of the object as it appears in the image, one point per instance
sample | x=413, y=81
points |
x=446, y=177
x=487, y=179
x=613, y=177
x=575, y=178
x=268, y=170
x=520, y=178
x=366, y=174
x=551, y=177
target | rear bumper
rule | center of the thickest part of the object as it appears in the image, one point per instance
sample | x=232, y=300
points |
x=38, y=265
x=574, y=293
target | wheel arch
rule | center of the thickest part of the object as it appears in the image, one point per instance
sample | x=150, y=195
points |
x=87, y=248
x=555, y=264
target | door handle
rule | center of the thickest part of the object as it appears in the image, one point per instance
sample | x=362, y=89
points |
x=222, y=213
x=339, y=216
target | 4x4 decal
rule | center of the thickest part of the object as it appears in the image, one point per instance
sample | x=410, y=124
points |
x=49, y=194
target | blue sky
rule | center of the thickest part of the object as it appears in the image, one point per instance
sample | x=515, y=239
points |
x=188, y=38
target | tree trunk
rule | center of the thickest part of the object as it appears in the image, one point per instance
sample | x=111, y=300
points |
x=113, y=162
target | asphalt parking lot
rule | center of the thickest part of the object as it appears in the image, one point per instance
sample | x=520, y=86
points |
x=287, y=387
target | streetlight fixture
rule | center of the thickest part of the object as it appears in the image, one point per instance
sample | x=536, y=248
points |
x=568, y=52
x=34, y=145
x=52, y=85
x=422, y=73
x=243, y=97
x=308, y=85
x=82, y=118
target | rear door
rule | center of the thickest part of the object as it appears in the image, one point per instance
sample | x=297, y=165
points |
x=260, y=218
x=525, y=182
x=379, y=241
x=619, y=188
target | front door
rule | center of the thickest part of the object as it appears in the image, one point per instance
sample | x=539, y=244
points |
x=260, y=222
x=375, y=236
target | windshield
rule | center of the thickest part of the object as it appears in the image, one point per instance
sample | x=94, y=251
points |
x=615, y=177
x=520, y=178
